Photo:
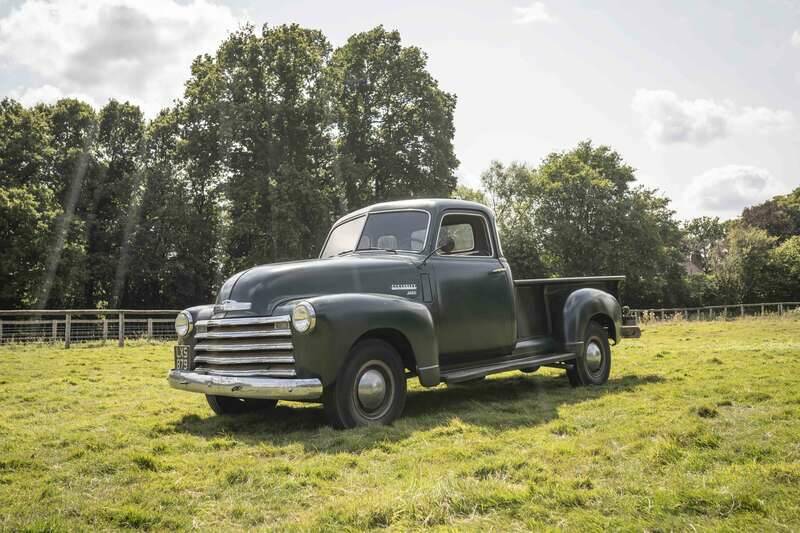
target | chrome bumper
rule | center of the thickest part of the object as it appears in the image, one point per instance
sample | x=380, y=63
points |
x=239, y=387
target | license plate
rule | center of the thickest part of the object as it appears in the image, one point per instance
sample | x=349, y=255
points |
x=181, y=357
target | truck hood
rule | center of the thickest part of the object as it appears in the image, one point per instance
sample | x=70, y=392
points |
x=268, y=286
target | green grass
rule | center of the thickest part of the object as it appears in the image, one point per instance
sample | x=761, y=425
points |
x=698, y=428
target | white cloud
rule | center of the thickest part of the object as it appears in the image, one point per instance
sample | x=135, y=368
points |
x=536, y=12
x=137, y=50
x=796, y=38
x=48, y=94
x=725, y=191
x=668, y=119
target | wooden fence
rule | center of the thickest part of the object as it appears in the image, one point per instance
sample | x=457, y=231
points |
x=716, y=312
x=75, y=325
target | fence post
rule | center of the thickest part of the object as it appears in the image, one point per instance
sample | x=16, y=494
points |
x=725, y=310
x=67, y=330
x=762, y=309
x=741, y=310
x=1, y=330
x=150, y=328
x=55, y=329
x=105, y=329
x=121, y=330
x=780, y=309
x=662, y=314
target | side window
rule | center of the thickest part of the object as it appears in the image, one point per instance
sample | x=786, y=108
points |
x=468, y=232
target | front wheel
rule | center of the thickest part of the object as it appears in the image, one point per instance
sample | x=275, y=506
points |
x=593, y=365
x=370, y=389
x=227, y=405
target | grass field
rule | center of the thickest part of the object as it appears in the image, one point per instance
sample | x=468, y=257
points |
x=698, y=428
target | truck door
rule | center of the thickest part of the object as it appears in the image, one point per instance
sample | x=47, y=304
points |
x=475, y=315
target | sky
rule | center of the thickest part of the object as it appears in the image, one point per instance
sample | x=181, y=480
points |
x=702, y=98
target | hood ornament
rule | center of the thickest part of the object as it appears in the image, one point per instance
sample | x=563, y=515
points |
x=232, y=305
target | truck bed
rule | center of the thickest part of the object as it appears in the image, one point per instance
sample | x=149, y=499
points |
x=538, y=299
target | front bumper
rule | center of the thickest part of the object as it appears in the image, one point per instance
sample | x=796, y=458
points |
x=240, y=387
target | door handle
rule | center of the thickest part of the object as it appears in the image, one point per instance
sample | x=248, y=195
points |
x=497, y=270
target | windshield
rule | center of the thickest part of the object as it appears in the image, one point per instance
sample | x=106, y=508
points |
x=398, y=230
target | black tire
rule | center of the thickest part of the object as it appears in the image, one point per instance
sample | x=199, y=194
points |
x=227, y=405
x=347, y=407
x=593, y=364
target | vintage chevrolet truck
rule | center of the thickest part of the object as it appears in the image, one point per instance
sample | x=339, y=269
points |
x=410, y=289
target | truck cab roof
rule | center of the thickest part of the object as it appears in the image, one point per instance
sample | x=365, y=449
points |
x=431, y=205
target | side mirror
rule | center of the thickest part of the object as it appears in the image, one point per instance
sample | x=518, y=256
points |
x=448, y=246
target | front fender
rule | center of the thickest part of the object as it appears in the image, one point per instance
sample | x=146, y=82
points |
x=584, y=305
x=343, y=318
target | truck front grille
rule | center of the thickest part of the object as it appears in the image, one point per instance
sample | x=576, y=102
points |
x=253, y=346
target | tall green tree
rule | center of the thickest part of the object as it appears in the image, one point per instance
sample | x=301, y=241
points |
x=778, y=216
x=741, y=265
x=258, y=123
x=577, y=214
x=395, y=124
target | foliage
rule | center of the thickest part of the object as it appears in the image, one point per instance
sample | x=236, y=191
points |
x=271, y=142
x=395, y=124
x=741, y=265
x=27, y=218
x=696, y=429
x=462, y=192
x=701, y=235
x=785, y=263
x=577, y=214
x=779, y=216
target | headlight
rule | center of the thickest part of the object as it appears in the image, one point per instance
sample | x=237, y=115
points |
x=183, y=323
x=303, y=317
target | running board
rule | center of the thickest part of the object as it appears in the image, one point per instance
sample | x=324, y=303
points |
x=477, y=372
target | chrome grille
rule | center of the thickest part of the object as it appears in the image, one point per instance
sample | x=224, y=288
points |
x=253, y=346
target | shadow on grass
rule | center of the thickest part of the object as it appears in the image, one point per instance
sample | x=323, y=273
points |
x=491, y=405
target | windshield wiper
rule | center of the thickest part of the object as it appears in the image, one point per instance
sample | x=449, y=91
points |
x=345, y=252
x=373, y=248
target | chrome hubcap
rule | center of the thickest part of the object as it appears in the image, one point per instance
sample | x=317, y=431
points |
x=594, y=356
x=371, y=389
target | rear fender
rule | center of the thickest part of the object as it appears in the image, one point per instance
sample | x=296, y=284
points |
x=342, y=319
x=585, y=305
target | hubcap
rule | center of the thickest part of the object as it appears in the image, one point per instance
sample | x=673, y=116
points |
x=371, y=389
x=594, y=356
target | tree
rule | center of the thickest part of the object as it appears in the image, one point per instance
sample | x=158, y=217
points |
x=701, y=236
x=741, y=265
x=462, y=192
x=395, y=124
x=779, y=216
x=576, y=214
x=785, y=264
x=258, y=125
x=27, y=217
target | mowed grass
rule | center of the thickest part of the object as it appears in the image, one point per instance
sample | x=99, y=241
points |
x=698, y=428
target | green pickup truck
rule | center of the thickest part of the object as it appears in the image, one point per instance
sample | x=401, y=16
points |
x=411, y=289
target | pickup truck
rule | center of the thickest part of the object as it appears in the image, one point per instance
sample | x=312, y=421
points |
x=409, y=289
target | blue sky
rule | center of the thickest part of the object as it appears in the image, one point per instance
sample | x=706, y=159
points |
x=700, y=97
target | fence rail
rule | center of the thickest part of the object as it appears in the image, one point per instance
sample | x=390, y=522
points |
x=715, y=312
x=75, y=325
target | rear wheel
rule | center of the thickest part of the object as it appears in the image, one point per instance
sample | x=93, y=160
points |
x=227, y=405
x=593, y=365
x=370, y=389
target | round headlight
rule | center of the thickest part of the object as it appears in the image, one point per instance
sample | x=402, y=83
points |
x=303, y=317
x=183, y=323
